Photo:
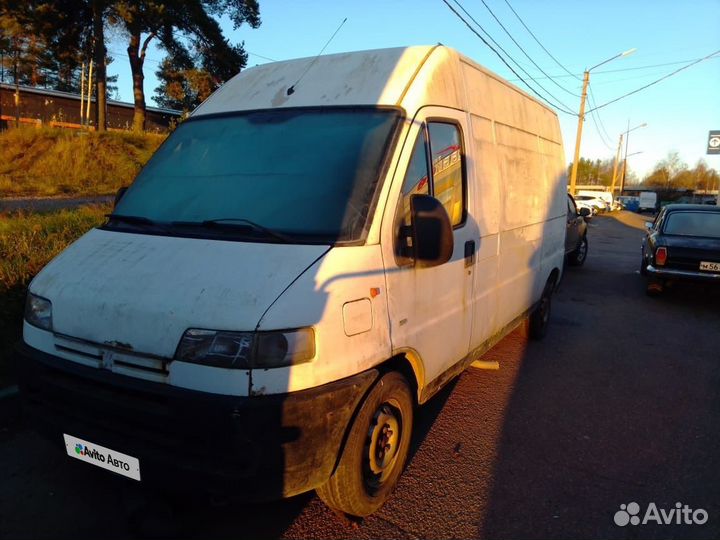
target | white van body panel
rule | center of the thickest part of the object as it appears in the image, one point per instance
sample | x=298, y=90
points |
x=141, y=292
x=377, y=77
x=335, y=297
x=515, y=170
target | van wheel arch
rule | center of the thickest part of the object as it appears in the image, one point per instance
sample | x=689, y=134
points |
x=411, y=370
x=375, y=448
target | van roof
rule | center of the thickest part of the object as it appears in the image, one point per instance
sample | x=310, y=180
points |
x=381, y=77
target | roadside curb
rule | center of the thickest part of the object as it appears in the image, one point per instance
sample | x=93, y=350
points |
x=10, y=391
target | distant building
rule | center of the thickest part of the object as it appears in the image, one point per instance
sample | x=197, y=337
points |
x=40, y=106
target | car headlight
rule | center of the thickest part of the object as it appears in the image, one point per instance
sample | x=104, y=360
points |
x=38, y=311
x=247, y=350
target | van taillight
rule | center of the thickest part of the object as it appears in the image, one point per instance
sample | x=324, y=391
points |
x=661, y=256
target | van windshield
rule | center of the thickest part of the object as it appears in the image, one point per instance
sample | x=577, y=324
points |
x=304, y=175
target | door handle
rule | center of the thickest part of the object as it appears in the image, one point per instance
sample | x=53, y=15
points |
x=469, y=253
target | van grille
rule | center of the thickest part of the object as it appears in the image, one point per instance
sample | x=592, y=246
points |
x=113, y=359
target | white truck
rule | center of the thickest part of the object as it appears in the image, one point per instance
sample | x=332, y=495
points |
x=318, y=249
x=647, y=201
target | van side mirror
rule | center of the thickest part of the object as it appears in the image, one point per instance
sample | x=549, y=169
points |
x=119, y=195
x=432, y=236
x=584, y=212
x=649, y=224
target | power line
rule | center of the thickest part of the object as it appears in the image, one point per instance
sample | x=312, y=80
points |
x=561, y=105
x=656, y=81
x=503, y=59
x=595, y=73
x=650, y=66
x=597, y=129
x=593, y=102
x=538, y=42
x=525, y=53
x=117, y=53
x=644, y=76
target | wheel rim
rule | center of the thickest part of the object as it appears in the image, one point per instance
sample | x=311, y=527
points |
x=382, y=446
x=582, y=250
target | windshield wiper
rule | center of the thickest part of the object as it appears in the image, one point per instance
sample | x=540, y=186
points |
x=237, y=223
x=136, y=220
x=131, y=219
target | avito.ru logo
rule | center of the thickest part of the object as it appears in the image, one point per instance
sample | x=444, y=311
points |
x=90, y=453
x=629, y=514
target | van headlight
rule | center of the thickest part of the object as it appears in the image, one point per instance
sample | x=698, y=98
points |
x=38, y=311
x=247, y=350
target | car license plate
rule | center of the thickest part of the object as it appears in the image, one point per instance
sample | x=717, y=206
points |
x=102, y=457
x=710, y=266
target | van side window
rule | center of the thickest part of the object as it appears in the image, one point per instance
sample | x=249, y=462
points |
x=447, y=165
x=417, y=181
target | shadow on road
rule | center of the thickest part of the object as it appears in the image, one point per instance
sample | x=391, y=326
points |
x=630, y=415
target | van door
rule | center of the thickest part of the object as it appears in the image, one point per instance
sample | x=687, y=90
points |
x=430, y=308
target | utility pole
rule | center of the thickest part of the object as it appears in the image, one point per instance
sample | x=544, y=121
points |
x=626, y=134
x=615, y=166
x=627, y=142
x=581, y=117
x=17, y=85
x=578, y=137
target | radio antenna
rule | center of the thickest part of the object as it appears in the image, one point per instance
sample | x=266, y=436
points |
x=291, y=89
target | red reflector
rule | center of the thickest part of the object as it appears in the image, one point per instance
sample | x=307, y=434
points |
x=661, y=256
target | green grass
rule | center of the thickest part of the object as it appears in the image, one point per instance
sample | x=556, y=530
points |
x=51, y=162
x=27, y=243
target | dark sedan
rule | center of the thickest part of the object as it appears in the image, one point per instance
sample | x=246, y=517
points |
x=682, y=244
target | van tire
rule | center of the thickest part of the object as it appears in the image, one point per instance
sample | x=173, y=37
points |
x=577, y=257
x=540, y=317
x=363, y=482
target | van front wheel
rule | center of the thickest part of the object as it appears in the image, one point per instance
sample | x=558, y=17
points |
x=375, y=451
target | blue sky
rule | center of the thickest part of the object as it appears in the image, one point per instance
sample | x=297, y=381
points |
x=679, y=111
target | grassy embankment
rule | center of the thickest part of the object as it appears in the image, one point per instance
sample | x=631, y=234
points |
x=65, y=163
x=54, y=163
x=27, y=243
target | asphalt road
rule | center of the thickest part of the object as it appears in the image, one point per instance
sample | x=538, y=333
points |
x=618, y=404
x=49, y=204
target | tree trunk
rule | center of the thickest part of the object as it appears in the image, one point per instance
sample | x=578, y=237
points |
x=136, y=67
x=17, y=86
x=101, y=77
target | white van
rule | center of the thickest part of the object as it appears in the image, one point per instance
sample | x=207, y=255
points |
x=318, y=249
x=647, y=201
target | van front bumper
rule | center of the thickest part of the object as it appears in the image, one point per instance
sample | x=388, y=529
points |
x=260, y=447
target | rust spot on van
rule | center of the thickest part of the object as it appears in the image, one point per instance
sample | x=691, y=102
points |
x=119, y=345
